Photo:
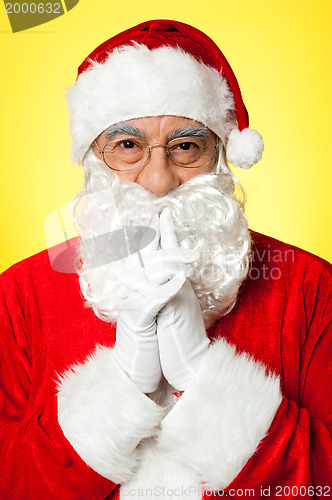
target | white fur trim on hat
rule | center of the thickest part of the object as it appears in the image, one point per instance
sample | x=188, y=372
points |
x=219, y=421
x=104, y=415
x=136, y=82
x=244, y=148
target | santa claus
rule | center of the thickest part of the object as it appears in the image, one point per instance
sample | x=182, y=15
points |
x=165, y=367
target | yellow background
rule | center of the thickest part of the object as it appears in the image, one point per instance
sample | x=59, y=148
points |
x=280, y=53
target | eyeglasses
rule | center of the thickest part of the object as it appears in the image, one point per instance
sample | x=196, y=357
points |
x=132, y=153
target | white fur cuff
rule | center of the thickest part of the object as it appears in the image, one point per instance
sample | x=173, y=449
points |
x=219, y=421
x=104, y=415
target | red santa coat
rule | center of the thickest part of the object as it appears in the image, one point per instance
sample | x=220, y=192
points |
x=282, y=320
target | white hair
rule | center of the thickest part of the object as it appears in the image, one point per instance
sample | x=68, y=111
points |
x=208, y=216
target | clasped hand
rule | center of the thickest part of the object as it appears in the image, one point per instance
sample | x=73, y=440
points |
x=160, y=328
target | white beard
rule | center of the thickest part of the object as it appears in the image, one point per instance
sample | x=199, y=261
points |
x=206, y=215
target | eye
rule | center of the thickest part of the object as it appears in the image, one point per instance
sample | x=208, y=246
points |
x=185, y=146
x=127, y=144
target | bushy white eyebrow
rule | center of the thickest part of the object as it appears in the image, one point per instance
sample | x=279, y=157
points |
x=193, y=130
x=124, y=128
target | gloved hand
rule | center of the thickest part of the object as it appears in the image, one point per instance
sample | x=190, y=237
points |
x=149, y=288
x=136, y=348
x=182, y=338
x=153, y=264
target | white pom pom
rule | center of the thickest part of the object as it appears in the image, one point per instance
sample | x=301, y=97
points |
x=244, y=148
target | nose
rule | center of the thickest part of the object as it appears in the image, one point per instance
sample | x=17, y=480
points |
x=158, y=176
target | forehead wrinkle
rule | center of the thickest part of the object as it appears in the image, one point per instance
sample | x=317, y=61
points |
x=193, y=130
x=124, y=128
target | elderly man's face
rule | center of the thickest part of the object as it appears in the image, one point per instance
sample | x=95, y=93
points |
x=160, y=175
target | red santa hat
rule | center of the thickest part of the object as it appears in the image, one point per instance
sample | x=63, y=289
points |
x=160, y=68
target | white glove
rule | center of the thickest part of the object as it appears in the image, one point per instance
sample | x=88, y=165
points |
x=153, y=264
x=136, y=349
x=181, y=332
